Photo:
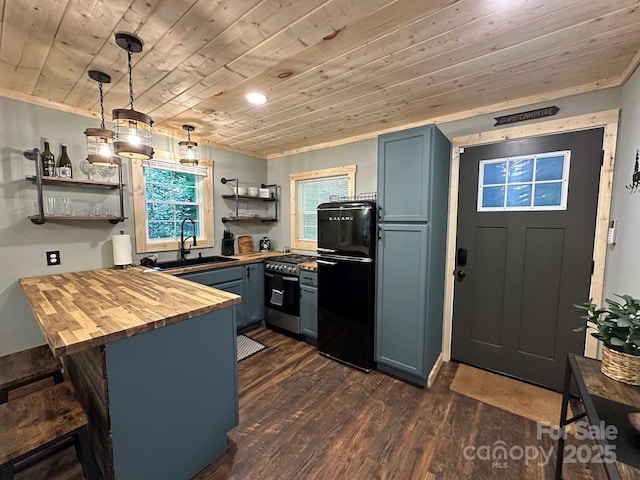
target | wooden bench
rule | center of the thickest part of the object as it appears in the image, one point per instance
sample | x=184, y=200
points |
x=40, y=424
x=25, y=367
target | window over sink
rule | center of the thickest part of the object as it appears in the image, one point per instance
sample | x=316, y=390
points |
x=166, y=192
x=310, y=189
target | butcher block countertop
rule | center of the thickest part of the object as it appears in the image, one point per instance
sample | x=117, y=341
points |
x=81, y=310
x=311, y=266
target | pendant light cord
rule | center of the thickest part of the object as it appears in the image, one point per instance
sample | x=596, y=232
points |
x=101, y=106
x=130, y=78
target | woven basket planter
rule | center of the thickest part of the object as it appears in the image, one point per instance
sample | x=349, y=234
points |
x=620, y=366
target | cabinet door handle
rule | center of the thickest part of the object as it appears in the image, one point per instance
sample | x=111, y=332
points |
x=379, y=212
x=248, y=272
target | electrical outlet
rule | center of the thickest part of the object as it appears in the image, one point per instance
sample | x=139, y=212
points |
x=53, y=257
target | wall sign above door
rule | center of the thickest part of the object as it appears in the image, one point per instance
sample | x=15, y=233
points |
x=523, y=116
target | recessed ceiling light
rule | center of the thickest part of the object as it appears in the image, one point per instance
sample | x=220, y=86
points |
x=256, y=98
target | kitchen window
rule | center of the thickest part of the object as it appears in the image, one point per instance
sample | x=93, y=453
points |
x=165, y=193
x=310, y=189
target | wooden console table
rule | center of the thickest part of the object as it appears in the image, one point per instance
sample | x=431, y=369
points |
x=604, y=400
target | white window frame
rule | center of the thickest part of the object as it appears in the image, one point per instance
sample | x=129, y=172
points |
x=348, y=170
x=565, y=183
x=205, y=196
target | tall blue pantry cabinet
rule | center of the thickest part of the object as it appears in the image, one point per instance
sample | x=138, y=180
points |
x=413, y=189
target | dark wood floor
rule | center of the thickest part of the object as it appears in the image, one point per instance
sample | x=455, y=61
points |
x=303, y=416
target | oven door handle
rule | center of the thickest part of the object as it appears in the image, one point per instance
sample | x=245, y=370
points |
x=286, y=279
x=324, y=262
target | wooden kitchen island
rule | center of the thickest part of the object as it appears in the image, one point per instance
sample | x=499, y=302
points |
x=153, y=360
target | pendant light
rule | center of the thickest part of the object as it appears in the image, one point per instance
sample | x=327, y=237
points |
x=188, y=149
x=132, y=129
x=100, y=140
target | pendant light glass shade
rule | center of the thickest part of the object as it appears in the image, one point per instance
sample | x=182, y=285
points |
x=133, y=138
x=188, y=149
x=133, y=134
x=100, y=140
x=100, y=147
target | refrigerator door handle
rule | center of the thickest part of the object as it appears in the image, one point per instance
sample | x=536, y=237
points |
x=324, y=262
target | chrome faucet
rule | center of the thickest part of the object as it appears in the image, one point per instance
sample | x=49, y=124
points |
x=186, y=251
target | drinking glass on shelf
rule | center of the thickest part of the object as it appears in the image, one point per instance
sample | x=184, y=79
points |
x=107, y=172
x=50, y=206
x=94, y=210
x=88, y=168
x=63, y=206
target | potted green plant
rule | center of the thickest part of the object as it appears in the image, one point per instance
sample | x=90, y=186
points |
x=618, y=327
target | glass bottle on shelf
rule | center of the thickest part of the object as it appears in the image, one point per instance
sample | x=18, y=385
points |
x=48, y=161
x=65, y=163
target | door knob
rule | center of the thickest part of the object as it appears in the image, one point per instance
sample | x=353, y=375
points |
x=460, y=274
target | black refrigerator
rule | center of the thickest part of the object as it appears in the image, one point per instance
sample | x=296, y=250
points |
x=347, y=238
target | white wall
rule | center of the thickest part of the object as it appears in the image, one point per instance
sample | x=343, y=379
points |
x=363, y=154
x=87, y=245
x=82, y=245
x=623, y=258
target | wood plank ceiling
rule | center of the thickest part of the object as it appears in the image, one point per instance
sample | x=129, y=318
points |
x=332, y=69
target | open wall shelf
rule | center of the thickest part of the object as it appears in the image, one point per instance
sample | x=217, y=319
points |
x=237, y=216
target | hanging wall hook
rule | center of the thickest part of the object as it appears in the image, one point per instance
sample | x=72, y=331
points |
x=635, y=180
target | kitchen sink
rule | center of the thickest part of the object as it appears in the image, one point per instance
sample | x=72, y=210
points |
x=188, y=262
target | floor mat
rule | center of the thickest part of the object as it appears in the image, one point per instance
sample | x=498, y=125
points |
x=247, y=347
x=519, y=398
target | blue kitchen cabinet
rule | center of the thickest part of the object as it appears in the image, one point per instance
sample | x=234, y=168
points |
x=231, y=279
x=401, y=301
x=254, y=289
x=406, y=173
x=309, y=303
x=237, y=287
x=413, y=188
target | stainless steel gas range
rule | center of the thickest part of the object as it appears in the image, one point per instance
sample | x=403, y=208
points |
x=282, y=291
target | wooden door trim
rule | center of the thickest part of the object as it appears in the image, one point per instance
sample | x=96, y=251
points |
x=607, y=119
